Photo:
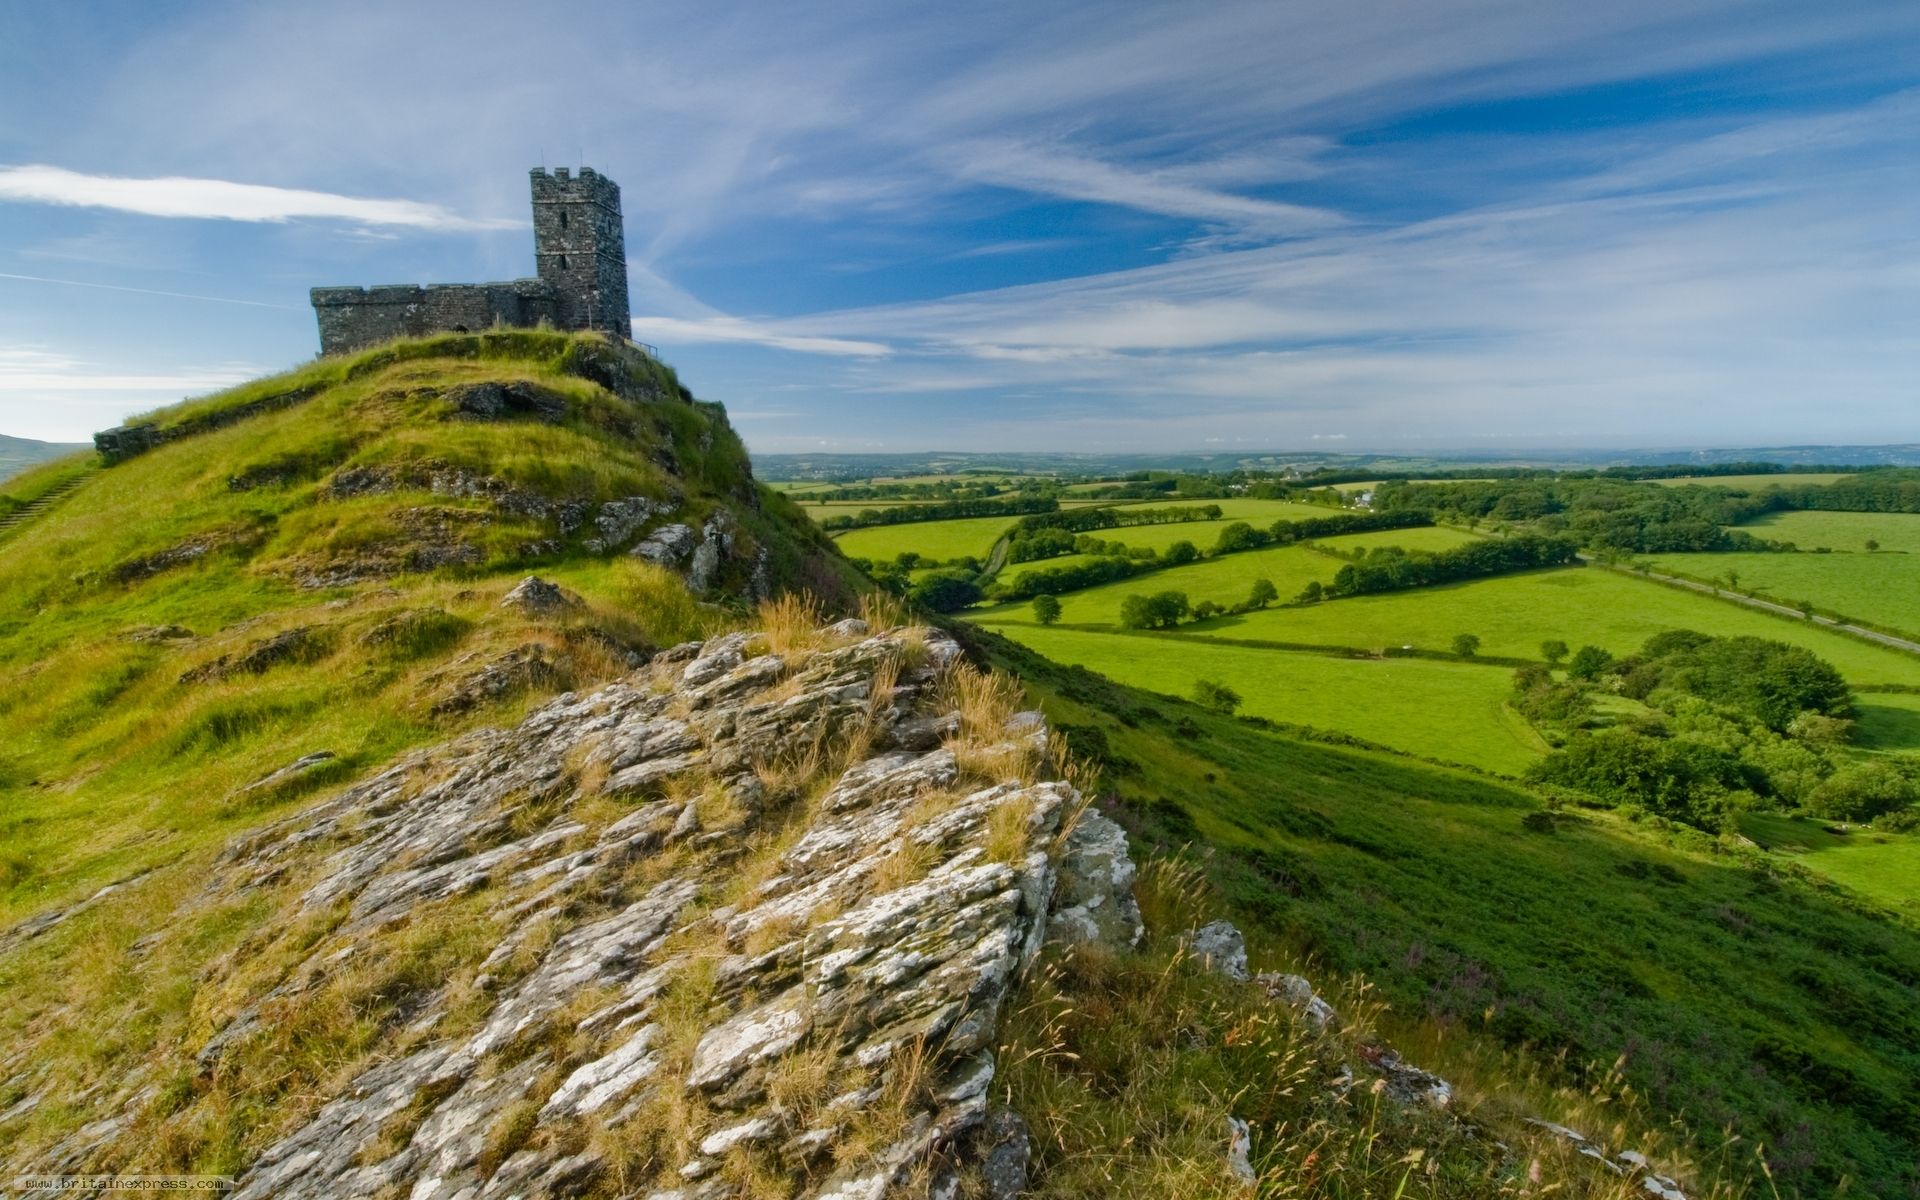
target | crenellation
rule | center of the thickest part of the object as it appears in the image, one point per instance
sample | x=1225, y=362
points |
x=579, y=255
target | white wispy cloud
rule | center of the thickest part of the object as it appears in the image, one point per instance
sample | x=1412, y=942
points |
x=221, y=199
x=1059, y=171
x=674, y=330
x=26, y=371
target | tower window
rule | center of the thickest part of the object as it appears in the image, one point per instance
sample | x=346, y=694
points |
x=563, y=262
x=563, y=218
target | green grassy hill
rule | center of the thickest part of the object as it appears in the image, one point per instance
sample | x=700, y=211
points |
x=327, y=576
x=1573, y=961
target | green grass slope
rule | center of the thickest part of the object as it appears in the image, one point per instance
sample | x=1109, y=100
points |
x=1756, y=1010
x=327, y=577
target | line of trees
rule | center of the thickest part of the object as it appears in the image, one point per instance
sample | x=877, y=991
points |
x=1390, y=568
x=945, y=511
x=1107, y=566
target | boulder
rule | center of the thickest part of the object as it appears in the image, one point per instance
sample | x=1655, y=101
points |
x=667, y=546
x=537, y=597
x=1220, y=948
x=1093, y=898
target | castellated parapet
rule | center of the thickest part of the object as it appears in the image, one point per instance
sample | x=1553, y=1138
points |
x=579, y=252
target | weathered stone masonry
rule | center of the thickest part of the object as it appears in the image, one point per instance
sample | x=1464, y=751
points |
x=580, y=255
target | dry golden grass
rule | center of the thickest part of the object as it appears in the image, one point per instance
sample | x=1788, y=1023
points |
x=883, y=611
x=985, y=701
x=909, y=863
x=793, y=623
x=1009, y=831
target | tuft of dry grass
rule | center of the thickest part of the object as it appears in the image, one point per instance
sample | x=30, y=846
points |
x=1009, y=832
x=793, y=623
x=883, y=611
x=908, y=864
x=985, y=701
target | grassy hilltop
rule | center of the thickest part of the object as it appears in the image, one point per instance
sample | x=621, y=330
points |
x=327, y=577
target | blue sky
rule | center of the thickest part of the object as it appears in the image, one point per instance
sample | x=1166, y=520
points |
x=1309, y=224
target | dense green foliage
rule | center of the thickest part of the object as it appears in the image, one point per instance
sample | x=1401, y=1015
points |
x=1733, y=724
x=1387, y=569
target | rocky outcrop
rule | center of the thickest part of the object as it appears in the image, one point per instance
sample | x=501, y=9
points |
x=758, y=893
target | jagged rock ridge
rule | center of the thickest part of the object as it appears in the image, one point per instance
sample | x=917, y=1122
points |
x=753, y=972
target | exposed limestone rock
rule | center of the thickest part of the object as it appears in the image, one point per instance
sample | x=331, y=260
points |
x=1094, y=899
x=536, y=597
x=1239, y=1143
x=293, y=771
x=1009, y=1148
x=1405, y=1082
x=676, y=925
x=1298, y=992
x=619, y=520
x=1220, y=948
x=716, y=544
x=667, y=546
x=302, y=643
x=490, y=401
x=1629, y=1164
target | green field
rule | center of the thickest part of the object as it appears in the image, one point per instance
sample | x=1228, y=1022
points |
x=1840, y=530
x=940, y=540
x=1513, y=614
x=1260, y=514
x=1442, y=709
x=1888, y=721
x=1878, y=589
x=1881, y=865
x=1753, y=482
x=1224, y=580
x=1452, y=711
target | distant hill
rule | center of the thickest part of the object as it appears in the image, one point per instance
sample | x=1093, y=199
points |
x=17, y=454
x=833, y=467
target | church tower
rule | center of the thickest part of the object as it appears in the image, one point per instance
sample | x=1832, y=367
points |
x=580, y=249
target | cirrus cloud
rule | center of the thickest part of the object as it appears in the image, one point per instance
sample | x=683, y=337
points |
x=224, y=200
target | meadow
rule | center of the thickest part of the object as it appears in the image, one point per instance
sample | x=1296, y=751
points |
x=1873, y=863
x=1513, y=614
x=939, y=540
x=1223, y=580
x=1755, y=482
x=1450, y=711
x=1878, y=590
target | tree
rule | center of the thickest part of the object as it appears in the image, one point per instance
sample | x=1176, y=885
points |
x=1553, y=650
x=1046, y=609
x=1466, y=645
x=1212, y=694
x=1263, y=594
x=1168, y=608
x=1179, y=554
x=946, y=591
x=1588, y=662
x=1861, y=793
x=1733, y=581
x=1872, y=545
x=1311, y=593
x=1205, y=609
